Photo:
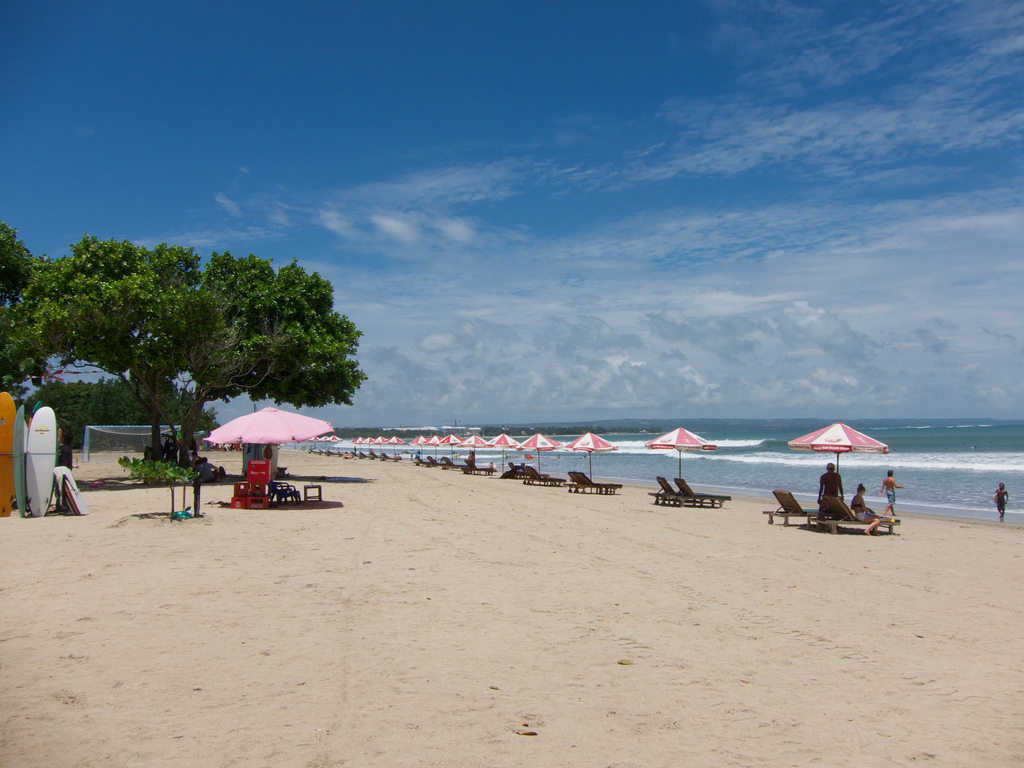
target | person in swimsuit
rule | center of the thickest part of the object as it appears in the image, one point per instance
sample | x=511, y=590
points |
x=830, y=484
x=889, y=489
x=862, y=513
x=1001, y=497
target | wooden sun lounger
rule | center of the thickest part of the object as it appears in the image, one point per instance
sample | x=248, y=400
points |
x=532, y=477
x=515, y=472
x=580, y=483
x=447, y=463
x=788, y=507
x=837, y=513
x=668, y=496
x=471, y=468
x=692, y=499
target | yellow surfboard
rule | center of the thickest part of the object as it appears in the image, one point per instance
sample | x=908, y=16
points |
x=7, y=413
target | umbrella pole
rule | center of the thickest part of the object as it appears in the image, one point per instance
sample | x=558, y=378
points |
x=680, y=463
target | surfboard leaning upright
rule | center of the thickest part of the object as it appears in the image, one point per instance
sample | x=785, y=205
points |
x=73, y=498
x=8, y=412
x=19, y=460
x=40, y=460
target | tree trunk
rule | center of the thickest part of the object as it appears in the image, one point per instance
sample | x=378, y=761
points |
x=188, y=430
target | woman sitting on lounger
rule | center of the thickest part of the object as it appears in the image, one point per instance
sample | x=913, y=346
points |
x=861, y=511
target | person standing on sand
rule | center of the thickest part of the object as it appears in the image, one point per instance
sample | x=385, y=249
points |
x=889, y=489
x=830, y=484
x=1002, y=496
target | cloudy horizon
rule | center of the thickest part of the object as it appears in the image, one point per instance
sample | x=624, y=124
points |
x=738, y=209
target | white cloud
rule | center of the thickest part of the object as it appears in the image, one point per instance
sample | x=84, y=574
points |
x=228, y=205
x=401, y=229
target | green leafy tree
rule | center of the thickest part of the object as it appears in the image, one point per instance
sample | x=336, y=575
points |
x=286, y=322
x=107, y=402
x=156, y=320
x=17, y=361
x=122, y=308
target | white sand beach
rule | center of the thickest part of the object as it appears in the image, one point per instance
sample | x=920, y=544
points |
x=434, y=618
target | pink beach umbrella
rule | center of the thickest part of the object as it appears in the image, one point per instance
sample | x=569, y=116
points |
x=269, y=426
x=504, y=442
x=419, y=441
x=473, y=442
x=592, y=444
x=451, y=440
x=539, y=443
x=837, y=439
x=395, y=440
x=681, y=440
x=435, y=440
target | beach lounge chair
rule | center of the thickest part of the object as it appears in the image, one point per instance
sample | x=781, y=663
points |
x=580, y=483
x=515, y=472
x=430, y=461
x=837, y=513
x=532, y=477
x=699, y=499
x=470, y=468
x=447, y=463
x=788, y=507
x=667, y=496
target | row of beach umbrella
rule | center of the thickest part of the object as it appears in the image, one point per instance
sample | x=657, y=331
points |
x=271, y=425
x=837, y=438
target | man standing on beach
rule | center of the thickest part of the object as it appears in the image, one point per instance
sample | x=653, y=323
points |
x=829, y=484
x=889, y=489
x=1001, y=497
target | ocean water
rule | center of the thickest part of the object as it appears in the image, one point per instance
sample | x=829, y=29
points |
x=951, y=470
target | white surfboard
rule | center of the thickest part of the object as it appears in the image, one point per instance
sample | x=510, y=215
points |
x=20, y=435
x=69, y=490
x=40, y=460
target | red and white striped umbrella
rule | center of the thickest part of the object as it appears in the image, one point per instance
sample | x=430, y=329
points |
x=504, y=442
x=837, y=439
x=539, y=443
x=395, y=440
x=473, y=441
x=592, y=444
x=419, y=441
x=681, y=440
x=451, y=440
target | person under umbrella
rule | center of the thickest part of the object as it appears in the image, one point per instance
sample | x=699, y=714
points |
x=504, y=441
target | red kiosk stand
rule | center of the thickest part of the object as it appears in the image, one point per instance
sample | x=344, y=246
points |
x=253, y=493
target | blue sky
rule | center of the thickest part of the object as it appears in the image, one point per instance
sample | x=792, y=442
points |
x=566, y=211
